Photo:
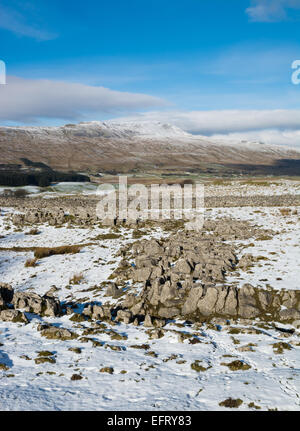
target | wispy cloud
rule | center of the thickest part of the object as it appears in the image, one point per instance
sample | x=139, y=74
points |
x=226, y=121
x=24, y=100
x=15, y=22
x=288, y=138
x=271, y=10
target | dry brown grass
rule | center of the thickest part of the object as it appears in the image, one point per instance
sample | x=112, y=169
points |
x=76, y=279
x=220, y=182
x=30, y=263
x=42, y=252
x=285, y=211
x=259, y=183
x=106, y=236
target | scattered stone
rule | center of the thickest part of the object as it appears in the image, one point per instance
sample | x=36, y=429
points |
x=75, y=350
x=237, y=365
x=54, y=333
x=231, y=403
x=196, y=366
x=43, y=360
x=113, y=290
x=108, y=370
x=3, y=367
x=76, y=377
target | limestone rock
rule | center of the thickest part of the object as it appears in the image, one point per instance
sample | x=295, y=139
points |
x=289, y=314
x=190, y=305
x=124, y=316
x=112, y=290
x=206, y=305
x=14, y=316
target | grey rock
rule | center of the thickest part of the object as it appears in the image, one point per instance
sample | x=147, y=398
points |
x=124, y=316
x=88, y=311
x=14, y=316
x=34, y=303
x=231, y=303
x=190, y=305
x=148, y=321
x=206, y=305
x=289, y=314
x=248, y=311
x=113, y=290
x=247, y=303
x=142, y=274
x=168, y=313
x=182, y=267
x=265, y=299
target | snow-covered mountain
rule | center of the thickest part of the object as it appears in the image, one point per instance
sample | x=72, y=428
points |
x=129, y=145
x=108, y=129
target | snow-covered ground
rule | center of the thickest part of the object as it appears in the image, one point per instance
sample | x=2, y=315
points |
x=159, y=374
x=280, y=267
x=63, y=188
x=243, y=188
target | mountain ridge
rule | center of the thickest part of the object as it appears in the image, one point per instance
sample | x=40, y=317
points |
x=126, y=146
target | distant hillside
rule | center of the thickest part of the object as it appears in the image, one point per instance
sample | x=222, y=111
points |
x=141, y=146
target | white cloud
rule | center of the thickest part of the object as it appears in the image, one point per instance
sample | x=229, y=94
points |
x=289, y=138
x=24, y=100
x=226, y=121
x=14, y=21
x=279, y=127
x=271, y=10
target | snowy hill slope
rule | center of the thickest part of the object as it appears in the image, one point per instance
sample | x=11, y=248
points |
x=128, y=145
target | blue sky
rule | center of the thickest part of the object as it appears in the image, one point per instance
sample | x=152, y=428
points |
x=140, y=58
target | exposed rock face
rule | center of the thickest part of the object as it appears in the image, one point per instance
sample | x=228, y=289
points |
x=54, y=333
x=33, y=303
x=11, y=302
x=54, y=216
x=112, y=290
x=14, y=316
x=187, y=257
x=185, y=276
x=124, y=316
x=6, y=295
x=57, y=217
x=98, y=312
x=81, y=211
x=201, y=303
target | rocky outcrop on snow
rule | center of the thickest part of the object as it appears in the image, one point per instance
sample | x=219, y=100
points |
x=34, y=303
x=184, y=276
x=181, y=276
x=14, y=305
x=200, y=302
x=58, y=216
x=82, y=212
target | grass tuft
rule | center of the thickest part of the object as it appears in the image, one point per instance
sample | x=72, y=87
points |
x=42, y=252
x=30, y=263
